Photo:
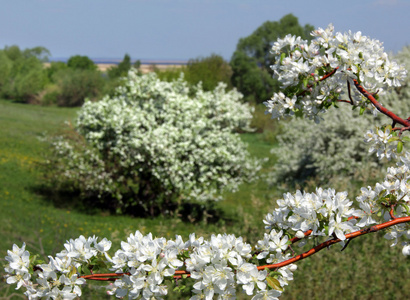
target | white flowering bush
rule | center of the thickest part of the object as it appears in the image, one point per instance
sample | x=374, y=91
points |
x=152, y=144
x=146, y=266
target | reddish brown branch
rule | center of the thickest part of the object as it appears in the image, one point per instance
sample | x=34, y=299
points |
x=180, y=273
x=401, y=129
x=381, y=108
x=328, y=74
x=345, y=101
x=391, y=212
x=321, y=79
x=396, y=119
x=326, y=244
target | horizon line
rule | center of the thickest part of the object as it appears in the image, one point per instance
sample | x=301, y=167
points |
x=118, y=60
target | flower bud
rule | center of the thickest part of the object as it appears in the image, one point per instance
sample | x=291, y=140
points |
x=300, y=234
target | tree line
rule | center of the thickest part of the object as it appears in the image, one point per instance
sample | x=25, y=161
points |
x=23, y=77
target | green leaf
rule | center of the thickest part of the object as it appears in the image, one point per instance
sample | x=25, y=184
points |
x=388, y=127
x=362, y=109
x=399, y=146
x=72, y=272
x=406, y=139
x=282, y=56
x=393, y=139
x=305, y=82
x=274, y=284
x=406, y=207
x=33, y=259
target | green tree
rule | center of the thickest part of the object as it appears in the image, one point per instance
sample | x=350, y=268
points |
x=137, y=64
x=209, y=70
x=81, y=62
x=251, y=61
x=40, y=53
x=13, y=52
x=22, y=75
x=122, y=69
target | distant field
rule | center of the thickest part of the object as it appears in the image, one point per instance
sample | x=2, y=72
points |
x=368, y=269
x=145, y=67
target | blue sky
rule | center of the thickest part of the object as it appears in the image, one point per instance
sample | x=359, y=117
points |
x=183, y=29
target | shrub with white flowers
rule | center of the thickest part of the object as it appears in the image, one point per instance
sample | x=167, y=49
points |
x=313, y=76
x=152, y=144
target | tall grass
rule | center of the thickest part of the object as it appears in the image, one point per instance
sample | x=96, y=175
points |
x=367, y=269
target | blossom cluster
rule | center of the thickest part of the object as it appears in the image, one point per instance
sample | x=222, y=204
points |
x=216, y=266
x=378, y=142
x=300, y=67
x=324, y=212
x=392, y=196
x=59, y=279
x=143, y=263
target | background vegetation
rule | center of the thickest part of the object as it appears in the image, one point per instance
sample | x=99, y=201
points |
x=250, y=63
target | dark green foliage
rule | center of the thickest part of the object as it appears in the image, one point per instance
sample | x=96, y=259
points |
x=251, y=61
x=208, y=70
x=13, y=52
x=137, y=64
x=76, y=85
x=40, y=53
x=254, y=82
x=54, y=68
x=116, y=74
x=81, y=62
x=122, y=68
x=170, y=74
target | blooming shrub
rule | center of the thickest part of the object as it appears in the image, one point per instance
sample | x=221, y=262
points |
x=152, y=144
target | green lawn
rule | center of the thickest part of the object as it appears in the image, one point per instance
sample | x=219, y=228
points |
x=367, y=269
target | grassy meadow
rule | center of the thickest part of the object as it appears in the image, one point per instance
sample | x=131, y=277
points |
x=368, y=269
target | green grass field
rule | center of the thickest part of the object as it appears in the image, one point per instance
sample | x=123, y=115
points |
x=368, y=269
